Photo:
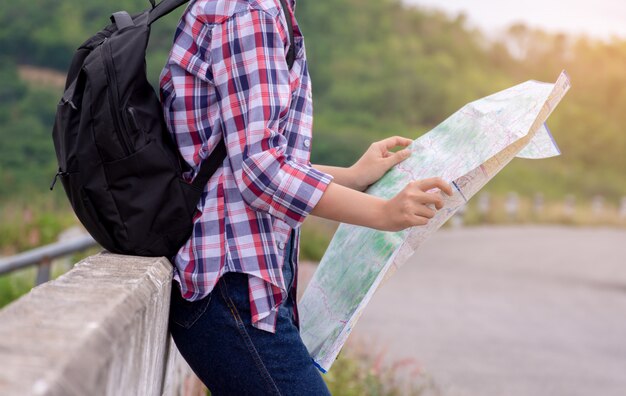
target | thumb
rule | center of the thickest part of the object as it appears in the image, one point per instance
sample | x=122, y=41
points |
x=398, y=157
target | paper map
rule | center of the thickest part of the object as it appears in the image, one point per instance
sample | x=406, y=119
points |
x=466, y=150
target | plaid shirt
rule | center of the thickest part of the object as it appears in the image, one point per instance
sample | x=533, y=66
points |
x=227, y=78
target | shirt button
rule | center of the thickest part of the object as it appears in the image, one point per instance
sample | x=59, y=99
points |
x=307, y=143
x=281, y=245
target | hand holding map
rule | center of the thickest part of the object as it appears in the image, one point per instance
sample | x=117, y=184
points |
x=466, y=150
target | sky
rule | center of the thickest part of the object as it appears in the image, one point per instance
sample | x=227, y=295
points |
x=597, y=18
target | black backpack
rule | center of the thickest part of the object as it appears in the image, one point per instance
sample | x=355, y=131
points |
x=118, y=164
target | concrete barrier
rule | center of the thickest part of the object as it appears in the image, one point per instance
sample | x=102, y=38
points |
x=100, y=329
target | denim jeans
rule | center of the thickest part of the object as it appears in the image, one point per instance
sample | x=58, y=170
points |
x=216, y=338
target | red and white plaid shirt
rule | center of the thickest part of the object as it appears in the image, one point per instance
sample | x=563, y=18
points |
x=227, y=78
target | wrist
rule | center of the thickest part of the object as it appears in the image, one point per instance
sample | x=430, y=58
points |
x=377, y=213
x=357, y=177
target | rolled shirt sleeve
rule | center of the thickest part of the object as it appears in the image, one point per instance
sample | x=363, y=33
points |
x=252, y=83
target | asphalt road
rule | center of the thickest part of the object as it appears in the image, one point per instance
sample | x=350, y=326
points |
x=525, y=311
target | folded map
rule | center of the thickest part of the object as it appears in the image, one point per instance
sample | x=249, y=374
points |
x=466, y=150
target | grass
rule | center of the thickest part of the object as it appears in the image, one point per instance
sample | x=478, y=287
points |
x=15, y=285
x=315, y=237
x=361, y=370
x=26, y=226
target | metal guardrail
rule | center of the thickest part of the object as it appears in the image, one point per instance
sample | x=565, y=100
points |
x=43, y=256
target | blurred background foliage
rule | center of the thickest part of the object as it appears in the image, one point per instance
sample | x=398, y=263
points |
x=379, y=67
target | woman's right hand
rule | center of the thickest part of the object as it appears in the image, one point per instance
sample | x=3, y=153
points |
x=407, y=209
x=414, y=205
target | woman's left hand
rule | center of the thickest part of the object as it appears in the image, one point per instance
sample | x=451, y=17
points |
x=377, y=160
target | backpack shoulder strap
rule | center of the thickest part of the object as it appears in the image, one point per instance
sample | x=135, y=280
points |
x=122, y=20
x=291, y=53
x=209, y=165
x=164, y=8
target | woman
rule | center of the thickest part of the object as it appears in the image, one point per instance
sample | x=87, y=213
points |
x=233, y=313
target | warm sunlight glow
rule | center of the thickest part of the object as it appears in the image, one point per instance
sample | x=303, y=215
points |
x=600, y=18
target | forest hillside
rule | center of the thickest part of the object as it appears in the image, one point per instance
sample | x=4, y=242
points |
x=379, y=67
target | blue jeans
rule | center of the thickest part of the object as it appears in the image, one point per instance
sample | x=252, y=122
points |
x=216, y=338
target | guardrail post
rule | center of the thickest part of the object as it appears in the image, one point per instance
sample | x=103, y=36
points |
x=538, y=204
x=459, y=217
x=597, y=205
x=570, y=206
x=483, y=203
x=512, y=205
x=43, y=271
x=483, y=206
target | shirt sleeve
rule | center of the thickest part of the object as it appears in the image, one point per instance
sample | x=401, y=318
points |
x=251, y=78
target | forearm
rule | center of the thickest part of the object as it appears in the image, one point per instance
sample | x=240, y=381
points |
x=344, y=176
x=343, y=204
x=413, y=206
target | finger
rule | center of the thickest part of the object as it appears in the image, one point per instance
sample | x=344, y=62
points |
x=435, y=182
x=430, y=199
x=424, y=211
x=419, y=221
x=395, y=141
x=398, y=157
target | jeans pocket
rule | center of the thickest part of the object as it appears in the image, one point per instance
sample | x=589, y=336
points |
x=186, y=313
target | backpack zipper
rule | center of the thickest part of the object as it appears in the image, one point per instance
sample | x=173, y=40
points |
x=59, y=173
x=109, y=70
